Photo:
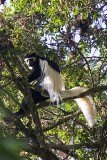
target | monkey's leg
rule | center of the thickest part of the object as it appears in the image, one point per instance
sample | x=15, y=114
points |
x=23, y=109
x=37, y=97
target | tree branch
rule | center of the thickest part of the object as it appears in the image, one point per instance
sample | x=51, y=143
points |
x=92, y=145
x=91, y=91
x=88, y=92
x=62, y=121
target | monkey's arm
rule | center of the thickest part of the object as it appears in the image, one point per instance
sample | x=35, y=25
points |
x=34, y=76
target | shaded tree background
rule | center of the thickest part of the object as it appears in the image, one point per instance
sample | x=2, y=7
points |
x=74, y=34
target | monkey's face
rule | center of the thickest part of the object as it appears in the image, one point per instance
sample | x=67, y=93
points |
x=30, y=62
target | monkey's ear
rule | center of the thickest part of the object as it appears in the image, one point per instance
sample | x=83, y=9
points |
x=33, y=54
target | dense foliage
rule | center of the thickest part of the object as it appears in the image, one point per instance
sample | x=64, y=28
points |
x=74, y=34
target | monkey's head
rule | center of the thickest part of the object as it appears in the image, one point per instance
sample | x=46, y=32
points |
x=30, y=60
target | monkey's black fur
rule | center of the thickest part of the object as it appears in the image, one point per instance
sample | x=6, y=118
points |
x=33, y=61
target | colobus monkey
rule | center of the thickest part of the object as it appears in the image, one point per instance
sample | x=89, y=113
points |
x=48, y=76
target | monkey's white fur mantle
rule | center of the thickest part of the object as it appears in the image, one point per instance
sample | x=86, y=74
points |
x=53, y=83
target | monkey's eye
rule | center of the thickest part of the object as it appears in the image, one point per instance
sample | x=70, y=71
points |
x=31, y=60
x=27, y=61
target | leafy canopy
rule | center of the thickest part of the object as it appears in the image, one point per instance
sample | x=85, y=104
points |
x=74, y=34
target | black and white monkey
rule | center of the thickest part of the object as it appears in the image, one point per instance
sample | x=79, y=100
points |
x=48, y=76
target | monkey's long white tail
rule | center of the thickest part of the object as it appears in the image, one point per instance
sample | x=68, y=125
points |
x=86, y=103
